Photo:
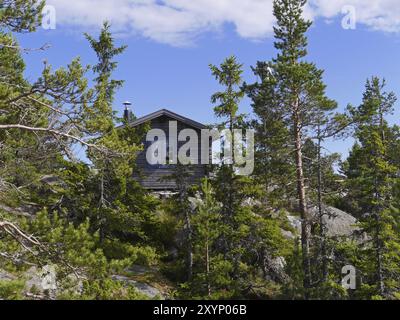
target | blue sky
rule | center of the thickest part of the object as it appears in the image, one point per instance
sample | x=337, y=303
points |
x=170, y=69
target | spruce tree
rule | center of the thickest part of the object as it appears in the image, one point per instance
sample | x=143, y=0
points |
x=113, y=169
x=210, y=271
x=273, y=160
x=229, y=187
x=372, y=176
x=246, y=228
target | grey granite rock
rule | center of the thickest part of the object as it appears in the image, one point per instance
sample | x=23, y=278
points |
x=338, y=223
x=143, y=288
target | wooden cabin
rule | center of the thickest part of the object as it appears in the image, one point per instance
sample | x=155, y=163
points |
x=158, y=177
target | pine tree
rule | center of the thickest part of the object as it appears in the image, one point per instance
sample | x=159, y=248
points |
x=40, y=125
x=301, y=95
x=21, y=15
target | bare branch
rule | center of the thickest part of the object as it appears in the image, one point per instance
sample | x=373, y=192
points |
x=25, y=50
x=17, y=234
x=28, y=241
x=16, y=259
x=51, y=131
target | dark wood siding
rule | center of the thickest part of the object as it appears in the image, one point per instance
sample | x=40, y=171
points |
x=156, y=177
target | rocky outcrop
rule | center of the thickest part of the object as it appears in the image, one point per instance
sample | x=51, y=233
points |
x=41, y=284
x=147, y=280
x=42, y=281
x=143, y=288
x=338, y=223
x=274, y=268
x=5, y=276
x=27, y=210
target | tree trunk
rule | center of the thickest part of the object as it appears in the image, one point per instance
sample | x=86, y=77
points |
x=378, y=248
x=101, y=206
x=180, y=178
x=301, y=193
x=189, y=246
x=208, y=267
x=321, y=214
x=379, y=244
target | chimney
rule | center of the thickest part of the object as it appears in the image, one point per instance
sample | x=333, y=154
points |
x=127, y=111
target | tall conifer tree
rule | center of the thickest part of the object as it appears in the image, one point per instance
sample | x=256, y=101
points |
x=372, y=175
x=300, y=95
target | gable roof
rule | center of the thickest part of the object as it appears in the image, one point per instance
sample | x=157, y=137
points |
x=165, y=112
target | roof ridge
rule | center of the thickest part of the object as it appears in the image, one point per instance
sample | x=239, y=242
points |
x=165, y=111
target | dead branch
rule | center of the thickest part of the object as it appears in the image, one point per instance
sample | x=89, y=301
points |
x=17, y=259
x=25, y=50
x=28, y=241
x=53, y=132
x=18, y=234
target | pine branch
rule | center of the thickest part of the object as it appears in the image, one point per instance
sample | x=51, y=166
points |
x=54, y=132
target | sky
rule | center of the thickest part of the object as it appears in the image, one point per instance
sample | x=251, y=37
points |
x=172, y=42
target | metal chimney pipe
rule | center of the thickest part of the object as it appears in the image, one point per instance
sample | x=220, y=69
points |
x=127, y=111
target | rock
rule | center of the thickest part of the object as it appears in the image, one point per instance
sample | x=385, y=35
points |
x=24, y=211
x=143, y=288
x=287, y=234
x=49, y=278
x=274, y=268
x=338, y=223
x=141, y=270
x=5, y=276
x=295, y=222
x=195, y=202
x=51, y=180
x=41, y=281
x=147, y=290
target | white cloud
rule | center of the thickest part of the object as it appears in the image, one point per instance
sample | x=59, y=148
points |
x=382, y=15
x=178, y=22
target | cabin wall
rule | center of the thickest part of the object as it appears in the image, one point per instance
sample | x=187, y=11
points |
x=156, y=177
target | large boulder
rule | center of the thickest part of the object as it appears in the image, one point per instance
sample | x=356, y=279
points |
x=338, y=223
